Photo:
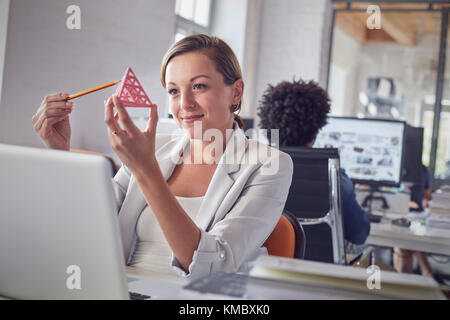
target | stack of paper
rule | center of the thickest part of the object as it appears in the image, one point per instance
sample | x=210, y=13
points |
x=391, y=285
x=441, y=201
x=439, y=220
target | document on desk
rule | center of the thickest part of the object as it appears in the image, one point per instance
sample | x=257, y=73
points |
x=392, y=285
x=153, y=287
x=438, y=220
x=440, y=202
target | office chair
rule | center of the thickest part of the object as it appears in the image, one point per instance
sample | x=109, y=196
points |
x=287, y=239
x=315, y=200
x=114, y=166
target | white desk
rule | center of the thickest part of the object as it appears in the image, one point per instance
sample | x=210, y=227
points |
x=156, y=285
x=163, y=286
x=312, y=287
x=417, y=237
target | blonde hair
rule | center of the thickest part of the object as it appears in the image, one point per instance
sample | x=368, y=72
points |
x=218, y=51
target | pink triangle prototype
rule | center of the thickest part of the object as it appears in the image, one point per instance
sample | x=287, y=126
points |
x=131, y=93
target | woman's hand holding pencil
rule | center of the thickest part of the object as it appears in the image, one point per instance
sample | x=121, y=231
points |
x=51, y=121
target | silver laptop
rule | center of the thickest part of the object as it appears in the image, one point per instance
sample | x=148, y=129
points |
x=59, y=234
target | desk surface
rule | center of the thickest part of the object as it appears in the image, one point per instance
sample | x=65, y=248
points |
x=417, y=237
x=155, y=284
x=162, y=286
x=140, y=272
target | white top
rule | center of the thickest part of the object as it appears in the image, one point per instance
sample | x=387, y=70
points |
x=152, y=250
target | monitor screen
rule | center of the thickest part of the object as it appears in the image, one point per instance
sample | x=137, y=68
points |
x=370, y=150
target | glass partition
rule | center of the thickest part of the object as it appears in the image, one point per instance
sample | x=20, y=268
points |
x=385, y=63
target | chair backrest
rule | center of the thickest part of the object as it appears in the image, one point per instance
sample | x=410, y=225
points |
x=315, y=199
x=300, y=237
x=114, y=165
x=287, y=239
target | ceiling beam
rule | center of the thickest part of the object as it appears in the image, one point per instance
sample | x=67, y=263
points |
x=393, y=28
x=352, y=25
x=400, y=34
x=378, y=35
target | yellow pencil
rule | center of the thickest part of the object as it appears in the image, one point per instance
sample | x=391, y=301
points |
x=92, y=90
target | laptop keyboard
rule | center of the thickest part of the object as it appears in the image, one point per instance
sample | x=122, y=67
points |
x=138, y=296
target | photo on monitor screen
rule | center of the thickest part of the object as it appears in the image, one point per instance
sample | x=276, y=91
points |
x=370, y=150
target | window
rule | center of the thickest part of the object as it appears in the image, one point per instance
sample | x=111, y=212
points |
x=192, y=16
x=395, y=70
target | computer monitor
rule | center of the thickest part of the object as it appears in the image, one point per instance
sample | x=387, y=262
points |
x=412, y=159
x=371, y=150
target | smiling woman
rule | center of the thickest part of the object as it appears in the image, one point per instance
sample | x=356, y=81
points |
x=216, y=76
x=179, y=211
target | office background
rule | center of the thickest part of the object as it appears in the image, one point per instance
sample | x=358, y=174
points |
x=327, y=41
x=397, y=72
x=42, y=56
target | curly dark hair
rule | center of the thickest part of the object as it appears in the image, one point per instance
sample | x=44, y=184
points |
x=298, y=108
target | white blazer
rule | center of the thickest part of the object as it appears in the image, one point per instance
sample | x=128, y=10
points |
x=241, y=207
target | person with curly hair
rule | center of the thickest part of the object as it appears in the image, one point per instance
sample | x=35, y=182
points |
x=299, y=110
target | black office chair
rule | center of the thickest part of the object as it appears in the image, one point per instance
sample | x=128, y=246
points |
x=300, y=237
x=287, y=239
x=315, y=200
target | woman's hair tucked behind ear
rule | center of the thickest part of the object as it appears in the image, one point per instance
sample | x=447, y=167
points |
x=218, y=51
x=298, y=109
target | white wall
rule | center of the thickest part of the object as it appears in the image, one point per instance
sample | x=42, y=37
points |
x=252, y=33
x=43, y=57
x=411, y=67
x=229, y=23
x=274, y=40
x=344, y=74
x=4, y=13
x=293, y=39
